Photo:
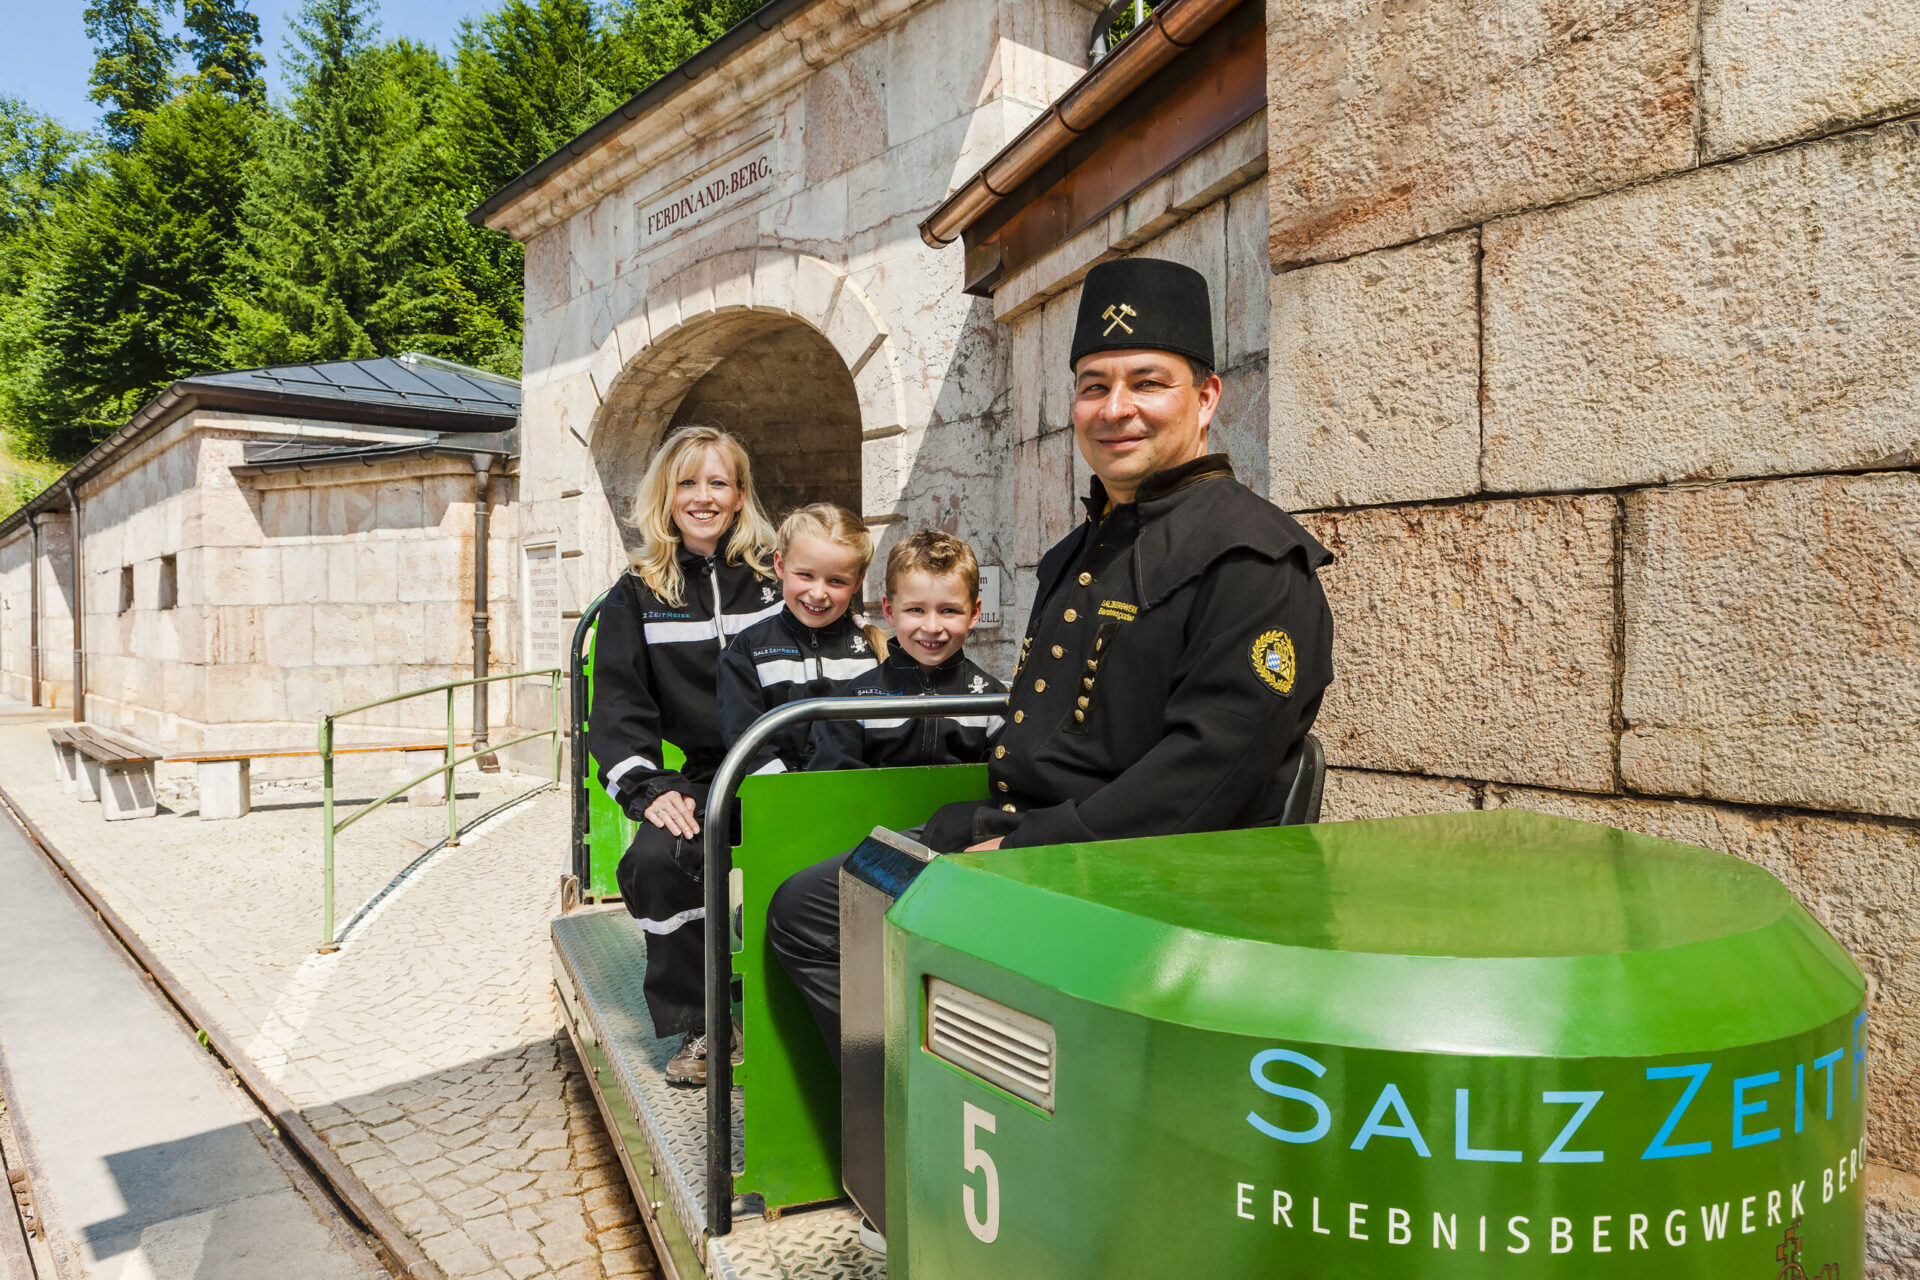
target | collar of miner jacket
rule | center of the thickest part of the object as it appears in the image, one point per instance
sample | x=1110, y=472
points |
x=1158, y=485
x=903, y=662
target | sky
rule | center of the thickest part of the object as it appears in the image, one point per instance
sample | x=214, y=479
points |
x=46, y=59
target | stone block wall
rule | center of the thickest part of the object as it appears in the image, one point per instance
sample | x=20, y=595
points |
x=1594, y=360
x=56, y=613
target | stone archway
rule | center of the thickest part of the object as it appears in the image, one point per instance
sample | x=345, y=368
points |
x=788, y=396
x=700, y=345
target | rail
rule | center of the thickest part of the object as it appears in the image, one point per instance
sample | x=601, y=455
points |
x=718, y=866
x=328, y=940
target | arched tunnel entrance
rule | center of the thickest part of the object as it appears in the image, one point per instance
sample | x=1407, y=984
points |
x=775, y=381
x=788, y=396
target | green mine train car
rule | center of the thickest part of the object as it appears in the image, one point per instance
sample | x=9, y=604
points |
x=1478, y=1044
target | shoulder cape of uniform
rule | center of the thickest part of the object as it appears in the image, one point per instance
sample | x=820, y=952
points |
x=1207, y=520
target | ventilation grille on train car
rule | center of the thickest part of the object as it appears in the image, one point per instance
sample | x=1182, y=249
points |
x=1000, y=1045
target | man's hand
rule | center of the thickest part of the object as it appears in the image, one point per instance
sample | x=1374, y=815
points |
x=984, y=845
x=674, y=811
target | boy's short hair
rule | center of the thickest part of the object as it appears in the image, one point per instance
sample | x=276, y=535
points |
x=937, y=553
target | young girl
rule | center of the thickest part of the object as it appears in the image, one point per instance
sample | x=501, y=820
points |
x=699, y=578
x=812, y=643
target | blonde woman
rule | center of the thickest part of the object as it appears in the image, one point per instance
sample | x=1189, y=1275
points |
x=702, y=575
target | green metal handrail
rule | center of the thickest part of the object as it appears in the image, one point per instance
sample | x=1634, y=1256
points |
x=446, y=767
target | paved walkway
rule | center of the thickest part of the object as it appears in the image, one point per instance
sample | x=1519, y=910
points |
x=144, y=1161
x=426, y=1050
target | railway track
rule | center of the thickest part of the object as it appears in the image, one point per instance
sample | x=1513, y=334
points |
x=337, y=1196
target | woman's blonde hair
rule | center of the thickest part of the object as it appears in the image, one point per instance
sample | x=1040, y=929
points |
x=657, y=561
x=835, y=524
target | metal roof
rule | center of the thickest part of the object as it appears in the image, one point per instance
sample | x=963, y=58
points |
x=410, y=381
x=261, y=457
x=411, y=390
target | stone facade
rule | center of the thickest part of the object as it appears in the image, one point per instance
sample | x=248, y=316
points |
x=646, y=302
x=55, y=569
x=233, y=610
x=1593, y=360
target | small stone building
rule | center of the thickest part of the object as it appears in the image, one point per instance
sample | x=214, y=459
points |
x=260, y=547
x=738, y=245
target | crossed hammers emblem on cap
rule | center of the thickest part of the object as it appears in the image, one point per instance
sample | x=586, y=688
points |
x=1118, y=314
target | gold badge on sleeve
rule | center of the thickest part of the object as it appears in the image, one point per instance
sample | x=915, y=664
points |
x=1272, y=658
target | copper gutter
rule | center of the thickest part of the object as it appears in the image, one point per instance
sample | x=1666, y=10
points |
x=1172, y=28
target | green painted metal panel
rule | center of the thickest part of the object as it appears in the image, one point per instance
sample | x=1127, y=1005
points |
x=1337, y=1050
x=791, y=1090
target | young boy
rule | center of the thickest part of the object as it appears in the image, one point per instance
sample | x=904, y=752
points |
x=932, y=601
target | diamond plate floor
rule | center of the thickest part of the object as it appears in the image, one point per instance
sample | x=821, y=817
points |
x=605, y=958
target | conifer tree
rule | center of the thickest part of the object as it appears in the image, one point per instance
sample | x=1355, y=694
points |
x=339, y=224
x=132, y=66
x=526, y=78
x=126, y=292
x=223, y=40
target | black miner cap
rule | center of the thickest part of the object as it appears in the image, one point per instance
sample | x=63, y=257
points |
x=1144, y=302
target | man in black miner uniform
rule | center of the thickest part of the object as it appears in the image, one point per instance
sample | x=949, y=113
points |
x=1179, y=642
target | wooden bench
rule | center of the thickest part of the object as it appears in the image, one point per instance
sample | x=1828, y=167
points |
x=105, y=766
x=226, y=777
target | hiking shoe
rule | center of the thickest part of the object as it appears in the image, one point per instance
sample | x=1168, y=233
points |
x=688, y=1065
x=872, y=1239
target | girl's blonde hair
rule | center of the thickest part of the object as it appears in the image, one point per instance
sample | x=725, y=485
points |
x=657, y=561
x=835, y=524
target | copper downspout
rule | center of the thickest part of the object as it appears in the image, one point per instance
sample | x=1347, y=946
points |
x=33, y=605
x=482, y=472
x=1173, y=27
x=79, y=609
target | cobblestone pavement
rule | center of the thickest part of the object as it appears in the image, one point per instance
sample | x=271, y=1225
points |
x=426, y=1049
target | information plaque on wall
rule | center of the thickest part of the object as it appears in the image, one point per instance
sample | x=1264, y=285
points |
x=540, y=596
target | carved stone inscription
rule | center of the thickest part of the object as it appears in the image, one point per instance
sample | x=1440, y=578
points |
x=732, y=183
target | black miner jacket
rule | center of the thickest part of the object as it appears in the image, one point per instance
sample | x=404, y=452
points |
x=885, y=742
x=1175, y=659
x=781, y=659
x=653, y=675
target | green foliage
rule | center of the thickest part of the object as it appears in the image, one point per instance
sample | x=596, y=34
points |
x=223, y=40
x=215, y=231
x=526, y=78
x=132, y=66
x=126, y=296
x=21, y=477
x=38, y=156
x=652, y=37
x=338, y=224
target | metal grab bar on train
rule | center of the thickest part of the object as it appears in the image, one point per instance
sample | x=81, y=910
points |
x=718, y=863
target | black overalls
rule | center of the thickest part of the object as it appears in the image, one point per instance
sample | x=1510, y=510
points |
x=885, y=742
x=780, y=660
x=653, y=680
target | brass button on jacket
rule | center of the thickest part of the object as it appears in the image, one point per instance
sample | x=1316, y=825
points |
x=1086, y=579
x=1059, y=652
x=1071, y=616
